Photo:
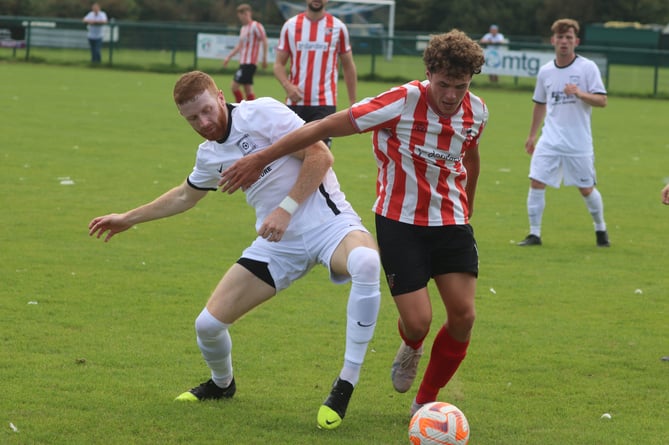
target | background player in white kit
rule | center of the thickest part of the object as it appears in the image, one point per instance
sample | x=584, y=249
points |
x=566, y=90
x=314, y=41
x=426, y=144
x=302, y=218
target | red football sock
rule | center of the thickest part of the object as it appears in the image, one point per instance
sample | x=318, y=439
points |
x=250, y=96
x=238, y=95
x=413, y=344
x=445, y=358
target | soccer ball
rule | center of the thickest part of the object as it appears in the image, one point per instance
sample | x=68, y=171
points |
x=439, y=423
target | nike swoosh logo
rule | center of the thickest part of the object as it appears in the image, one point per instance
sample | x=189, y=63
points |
x=220, y=169
x=366, y=325
x=328, y=422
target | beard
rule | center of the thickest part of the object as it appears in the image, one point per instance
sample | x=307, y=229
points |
x=315, y=8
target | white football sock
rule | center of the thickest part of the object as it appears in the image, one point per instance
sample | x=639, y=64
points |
x=362, y=310
x=536, y=202
x=595, y=206
x=215, y=343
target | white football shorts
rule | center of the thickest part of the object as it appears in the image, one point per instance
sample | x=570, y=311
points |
x=554, y=169
x=290, y=259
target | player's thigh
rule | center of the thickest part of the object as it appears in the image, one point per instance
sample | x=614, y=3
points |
x=237, y=293
x=457, y=292
x=405, y=255
x=579, y=171
x=546, y=168
x=356, y=238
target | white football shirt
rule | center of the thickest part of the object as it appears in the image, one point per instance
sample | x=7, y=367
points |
x=567, y=125
x=253, y=126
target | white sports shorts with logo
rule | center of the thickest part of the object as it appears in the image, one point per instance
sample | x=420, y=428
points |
x=554, y=169
x=291, y=259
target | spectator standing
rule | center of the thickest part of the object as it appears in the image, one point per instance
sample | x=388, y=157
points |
x=315, y=41
x=493, y=37
x=95, y=21
x=566, y=90
x=251, y=37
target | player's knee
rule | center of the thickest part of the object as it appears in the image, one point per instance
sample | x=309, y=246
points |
x=364, y=265
x=207, y=326
x=462, y=321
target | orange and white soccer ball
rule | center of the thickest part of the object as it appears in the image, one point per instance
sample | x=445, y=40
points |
x=439, y=423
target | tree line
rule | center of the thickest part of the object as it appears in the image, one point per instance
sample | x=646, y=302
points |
x=514, y=17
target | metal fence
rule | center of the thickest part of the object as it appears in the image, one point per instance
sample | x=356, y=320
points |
x=178, y=47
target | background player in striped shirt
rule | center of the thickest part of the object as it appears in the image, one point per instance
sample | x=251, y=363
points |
x=426, y=142
x=251, y=37
x=302, y=219
x=314, y=41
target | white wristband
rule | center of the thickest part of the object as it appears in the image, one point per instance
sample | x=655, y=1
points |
x=289, y=205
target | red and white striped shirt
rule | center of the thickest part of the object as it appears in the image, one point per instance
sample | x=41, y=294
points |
x=314, y=48
x=250, y=37
x=421, y=179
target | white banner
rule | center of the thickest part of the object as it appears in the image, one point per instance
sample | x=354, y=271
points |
x=218, y=46
x=502, y=61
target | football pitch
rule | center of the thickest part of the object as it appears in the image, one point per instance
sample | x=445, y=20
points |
x=98, y=339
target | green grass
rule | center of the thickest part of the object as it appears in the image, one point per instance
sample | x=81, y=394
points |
x=97, y=339
x=627, y=80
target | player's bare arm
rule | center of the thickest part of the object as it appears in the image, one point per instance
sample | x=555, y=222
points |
x=472, y=162
x=246, y=171
x=538, y=114
x=350, y=76
x=177, y=200
x=231, y=54
x=265, y=49
x=316, y=160
x=594, y=100
x=293, y=92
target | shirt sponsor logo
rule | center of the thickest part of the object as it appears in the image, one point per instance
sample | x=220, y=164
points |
x=265, y=172
x=441, y=156
x=312, y=46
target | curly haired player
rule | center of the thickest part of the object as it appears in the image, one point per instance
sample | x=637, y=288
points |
x=426, y=142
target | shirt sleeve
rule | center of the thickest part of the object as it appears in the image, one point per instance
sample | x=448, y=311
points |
x=378, y=112
x=539, y=95
x=595, y=83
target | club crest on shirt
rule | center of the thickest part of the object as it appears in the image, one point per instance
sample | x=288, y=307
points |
x=419, y=127
x=246, y=145
x=469, y=134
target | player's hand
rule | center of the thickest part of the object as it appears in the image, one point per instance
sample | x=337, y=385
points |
x=110, y=224
x=571, y=90
x=274, y=226
x=242, y=173
x=529, y=145
x=294, y=93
